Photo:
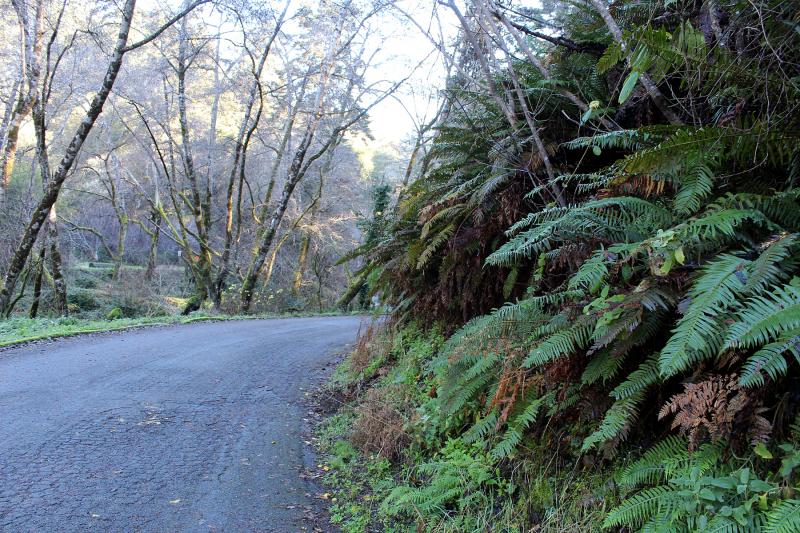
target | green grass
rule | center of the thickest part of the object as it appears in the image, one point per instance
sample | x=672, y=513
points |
x=19, y=330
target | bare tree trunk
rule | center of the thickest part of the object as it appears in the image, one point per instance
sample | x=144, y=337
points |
x=56, y=266
x=31, y=33
x=285, y=138
x=296, y=172
x=37, y=285
x=246, y=130
x=305, y=242
x=523, y=45
x=10, y=105
x=51, y=235
x=152, y=255
x=40, y=213
x=199, y=209
x=506, y=105
x=119, y=253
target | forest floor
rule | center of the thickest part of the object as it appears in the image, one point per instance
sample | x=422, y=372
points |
x=181, y=428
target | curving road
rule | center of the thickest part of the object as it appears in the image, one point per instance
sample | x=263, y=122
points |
x=181, y=428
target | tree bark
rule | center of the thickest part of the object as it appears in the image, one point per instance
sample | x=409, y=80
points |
x=523, y=45
x=246, y=130
x=200, y=210
x=37, y=285
x=56, y=266
x=40, y=213
x=152, y=255
x=31, y=33
x=10, y=106
x=296, y=172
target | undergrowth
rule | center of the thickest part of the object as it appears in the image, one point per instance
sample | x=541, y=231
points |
x=392, y=462
x=606, y=228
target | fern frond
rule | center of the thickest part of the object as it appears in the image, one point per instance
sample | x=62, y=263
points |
x=604, y=365
x=516, y=428
x=616, y=420
x=561, y=343
x=695, y=185
x=639, y=380
x=764, y=318
x=770, y=360
x=481, y=428
x=638, y=508
x=698, y=335
x=651, y=467
x=435, y=243
x=785, y=518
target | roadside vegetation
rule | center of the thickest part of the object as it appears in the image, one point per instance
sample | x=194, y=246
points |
x=594, y=283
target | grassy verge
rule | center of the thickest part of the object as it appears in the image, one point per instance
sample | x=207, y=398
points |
x=18, y=330
x=393, y=459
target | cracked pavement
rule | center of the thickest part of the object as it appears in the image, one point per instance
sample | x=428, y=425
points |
x=196, y=427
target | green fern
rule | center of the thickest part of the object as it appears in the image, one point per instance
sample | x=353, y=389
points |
x=637, y=509
x=765, y=318
x=698, y=334
x=561, y=343
x=695, y=186
x=615, y=422
x=518, y=425
x=652, y=468
x=785, y=518
x=770, y=360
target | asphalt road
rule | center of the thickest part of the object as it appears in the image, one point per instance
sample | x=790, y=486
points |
x=181, y=428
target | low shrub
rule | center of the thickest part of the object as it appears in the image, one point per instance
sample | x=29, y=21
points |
x=379, y=424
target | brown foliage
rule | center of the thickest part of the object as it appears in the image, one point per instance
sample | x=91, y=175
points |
x=713, y=407
x=370, y=345
x=379, y=425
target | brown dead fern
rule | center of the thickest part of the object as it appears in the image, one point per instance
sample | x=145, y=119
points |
x=713, y=408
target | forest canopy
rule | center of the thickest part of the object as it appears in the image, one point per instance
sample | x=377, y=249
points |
x=214, y=153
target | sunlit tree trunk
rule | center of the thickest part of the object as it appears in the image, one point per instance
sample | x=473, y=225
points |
x=30, y=16
x=95, y=107
x=200, y=210
x=246, y=130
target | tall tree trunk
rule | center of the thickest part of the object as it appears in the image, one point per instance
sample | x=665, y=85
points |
x=305, y=242
x=296, y=172
x=31, y=33
x=9, y=112
x=52, y=239
x=199, y=210
x=56, y=266
x=119, y=252
x=37, y=285
x=297, y=282
x=152, y=255
x=40, y=213
x=246, y=130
